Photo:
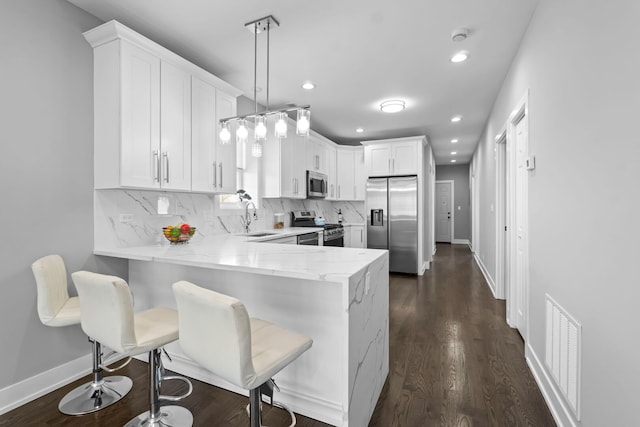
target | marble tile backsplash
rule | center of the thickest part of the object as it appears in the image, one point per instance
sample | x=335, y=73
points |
x=125, y=218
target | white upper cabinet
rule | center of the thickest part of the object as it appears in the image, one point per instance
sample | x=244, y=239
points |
x=350, y=177
x=148, y=117
x=332, y=193
x=175, y=128
x=389, y=158
x=214, y=164
x=284, y=166
x=317, y=154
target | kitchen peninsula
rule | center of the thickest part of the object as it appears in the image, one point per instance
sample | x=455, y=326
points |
x=337, y=296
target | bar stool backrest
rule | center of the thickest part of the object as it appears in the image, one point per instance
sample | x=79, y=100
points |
x=107, y=310
x=215, y=331
x=51, y=284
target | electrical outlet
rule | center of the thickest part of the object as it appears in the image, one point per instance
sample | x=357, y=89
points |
x=163, y=205
x=125, y=218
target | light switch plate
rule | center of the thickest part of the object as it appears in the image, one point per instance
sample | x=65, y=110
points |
x=163, y=205
x=530, y=163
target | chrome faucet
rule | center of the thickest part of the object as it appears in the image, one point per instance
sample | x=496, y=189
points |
x=248, y=218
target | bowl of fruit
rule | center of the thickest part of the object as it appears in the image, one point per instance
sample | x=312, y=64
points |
x=177, y=234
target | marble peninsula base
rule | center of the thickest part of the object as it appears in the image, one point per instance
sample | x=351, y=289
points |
x=339, y=380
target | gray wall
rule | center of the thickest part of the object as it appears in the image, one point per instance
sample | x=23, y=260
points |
x=46, y=170
x=459, y=174
x=579, y=62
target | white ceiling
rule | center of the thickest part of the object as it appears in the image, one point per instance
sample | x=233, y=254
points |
x=357, y=52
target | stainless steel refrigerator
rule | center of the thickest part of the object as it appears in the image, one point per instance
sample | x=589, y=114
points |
x=392, y=220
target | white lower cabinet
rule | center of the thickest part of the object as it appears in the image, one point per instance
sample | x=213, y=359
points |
x=354, y=236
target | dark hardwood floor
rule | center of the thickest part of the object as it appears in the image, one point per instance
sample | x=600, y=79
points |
x=453, y=362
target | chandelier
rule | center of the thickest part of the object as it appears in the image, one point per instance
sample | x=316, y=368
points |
x=303, y=121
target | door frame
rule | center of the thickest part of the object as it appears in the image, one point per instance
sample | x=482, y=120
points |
x=521, y=112
x=452, y=186
x=502, y=255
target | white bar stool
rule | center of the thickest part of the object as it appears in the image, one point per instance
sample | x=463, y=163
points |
x=107, y=315
x=56, y=308
x=216, y=332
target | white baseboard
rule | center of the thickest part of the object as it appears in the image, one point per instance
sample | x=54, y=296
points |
x=301, y=403
x=487, y=276
x=38, y=385
x=561, y=413
x=461, y=242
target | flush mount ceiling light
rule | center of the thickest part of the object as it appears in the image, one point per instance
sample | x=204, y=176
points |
x=392, y=106
x=454, y=141
x=461, y=56
x=456, y=119
x=256, y=27
x=453, y=161
x=453, y=153
x=359, y=130
x=308, y=85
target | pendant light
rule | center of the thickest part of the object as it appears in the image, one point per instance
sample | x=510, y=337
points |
x=303, y=124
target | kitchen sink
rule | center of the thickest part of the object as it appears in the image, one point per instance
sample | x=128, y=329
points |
x=258, y=234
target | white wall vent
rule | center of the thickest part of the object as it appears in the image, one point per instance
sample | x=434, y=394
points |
x=563, y=352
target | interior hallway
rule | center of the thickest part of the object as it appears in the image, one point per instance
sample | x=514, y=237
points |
x=453, y=362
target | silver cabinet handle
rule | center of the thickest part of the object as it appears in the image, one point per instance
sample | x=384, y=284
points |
x=293, y=185
x=338, y=191
x=361, y=232
x=215, y=174
x=354, y=192
x=166, y=174
x=156, y=162
x=394, y=164
x=220, y=174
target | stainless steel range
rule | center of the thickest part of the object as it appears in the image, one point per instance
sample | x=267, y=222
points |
x=332, y=234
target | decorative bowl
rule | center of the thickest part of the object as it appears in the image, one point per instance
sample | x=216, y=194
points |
x=179, y=234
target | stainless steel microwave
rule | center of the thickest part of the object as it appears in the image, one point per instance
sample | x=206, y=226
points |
x=316, y=185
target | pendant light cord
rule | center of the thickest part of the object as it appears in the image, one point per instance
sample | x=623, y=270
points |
x=268, y=44
x=255, y=64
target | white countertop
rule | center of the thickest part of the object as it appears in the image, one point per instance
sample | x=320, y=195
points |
x=256, y=255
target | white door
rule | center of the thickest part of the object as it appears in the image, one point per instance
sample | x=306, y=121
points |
x=444, y=190
x=520, y=224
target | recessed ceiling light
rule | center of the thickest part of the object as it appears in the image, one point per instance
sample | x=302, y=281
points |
x=460, y=56
x=453, y=161
x=453, y=153
x=454, y=141
x=359, y=130
x=308, y=85
x=456, y=119
x=392, y=106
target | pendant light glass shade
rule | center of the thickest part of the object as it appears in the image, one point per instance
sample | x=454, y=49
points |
x=304, y=122
x=225, y=135
x=242, y=133
x=256, y=149
x=281, y=125
x=260, y=129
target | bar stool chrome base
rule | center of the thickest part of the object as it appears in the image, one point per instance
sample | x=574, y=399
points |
x=99, y=393
x=91, y=397
x=170, y=416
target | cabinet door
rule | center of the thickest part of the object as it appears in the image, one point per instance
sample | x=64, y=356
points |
x=293, y=167
x=357, y=236
x=140, y=144
x=359, y=174
x=332, y=190
x=378, y=160
x=175, y=128
x=204, y=130
x=299, y=171
x=405, y=158
x=345, y=174
x=225, y=153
